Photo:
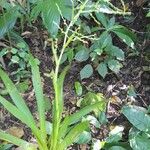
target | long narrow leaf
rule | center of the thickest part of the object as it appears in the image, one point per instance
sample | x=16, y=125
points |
x=18, y=114
x=73, y=134
x=12, y=139
x=60, y=87
x=77, y=116
x=39, y=94
x=15, y=95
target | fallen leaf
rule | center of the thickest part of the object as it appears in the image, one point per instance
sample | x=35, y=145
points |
x=16, y=131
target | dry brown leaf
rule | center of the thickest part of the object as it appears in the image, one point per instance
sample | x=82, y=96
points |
x=16, y=131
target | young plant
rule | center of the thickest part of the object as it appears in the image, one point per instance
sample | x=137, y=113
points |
x=103, y=53
x=18, y=59
x=66, y=130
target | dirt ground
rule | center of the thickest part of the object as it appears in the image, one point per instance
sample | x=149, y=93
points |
x=135, y=73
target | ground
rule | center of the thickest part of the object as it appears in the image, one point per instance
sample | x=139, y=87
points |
x=135, y=73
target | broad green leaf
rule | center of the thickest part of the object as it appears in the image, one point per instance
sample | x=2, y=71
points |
x=102, y=18
x=131, y=91
x=111, y=22
x=23, y=86
x=51, y=11
x=124, y=30
x=70, y=55
x=117, y=148
x=148, y=15
x=38, y=89
x=139, y=140
x=114, y=65
x=15, y=59
x=7, y=21
x=104, y=40
x=102, y=118
x=73, y=134
x=138, y=117
x=84, y=138
x=117, y=52
x=82, y=55
x=115, y=135
x=93, y=121
x=78, y=88
x=102, y=69
x=49, y=128
x=86, y=72
x=126, y=35
x=125, y=39
x=5, y=146
x=64, y=58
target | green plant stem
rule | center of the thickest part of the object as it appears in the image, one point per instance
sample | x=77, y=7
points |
x=57, y=101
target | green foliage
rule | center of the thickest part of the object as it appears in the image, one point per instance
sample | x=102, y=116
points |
x=19, y=109
x=8, y=20
x=78, y=88
x=51, y=12
x=140, y=132
x=86, y=72
x=103, y=53
x=18, y=58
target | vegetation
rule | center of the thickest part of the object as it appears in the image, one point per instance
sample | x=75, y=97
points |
x=91, y=34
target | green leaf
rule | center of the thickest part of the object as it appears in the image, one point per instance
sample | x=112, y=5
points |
x=126, y=35
x=102, y=18
x=15, y=59
x=86, y=72
x=102, y=69
x=131, y=91
x=5, y=146
x=73, y=134
x=117, y=52
x=78, y=115
x=115, y=135
x=117, y=148
x=23, y=86
x=12, y=139
x=21, y=45
x=14, y=94
x=114, y=65
x=138, y=117
x=139, y=140
x=20, y=115
x=84, y=137
x=78, y=88
x=148, y=15
x=38, y=89
x=93, y=121
x=49, y=128
x=82, y=55
x=51, y=14
x=70, y=55
x=7, y=21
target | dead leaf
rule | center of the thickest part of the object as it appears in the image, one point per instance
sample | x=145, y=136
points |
x=140, y=2
x=16, y=131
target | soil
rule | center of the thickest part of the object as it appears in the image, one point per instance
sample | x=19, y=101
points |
x=113, y=86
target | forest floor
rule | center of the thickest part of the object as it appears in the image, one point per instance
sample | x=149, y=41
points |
x=134, y=74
